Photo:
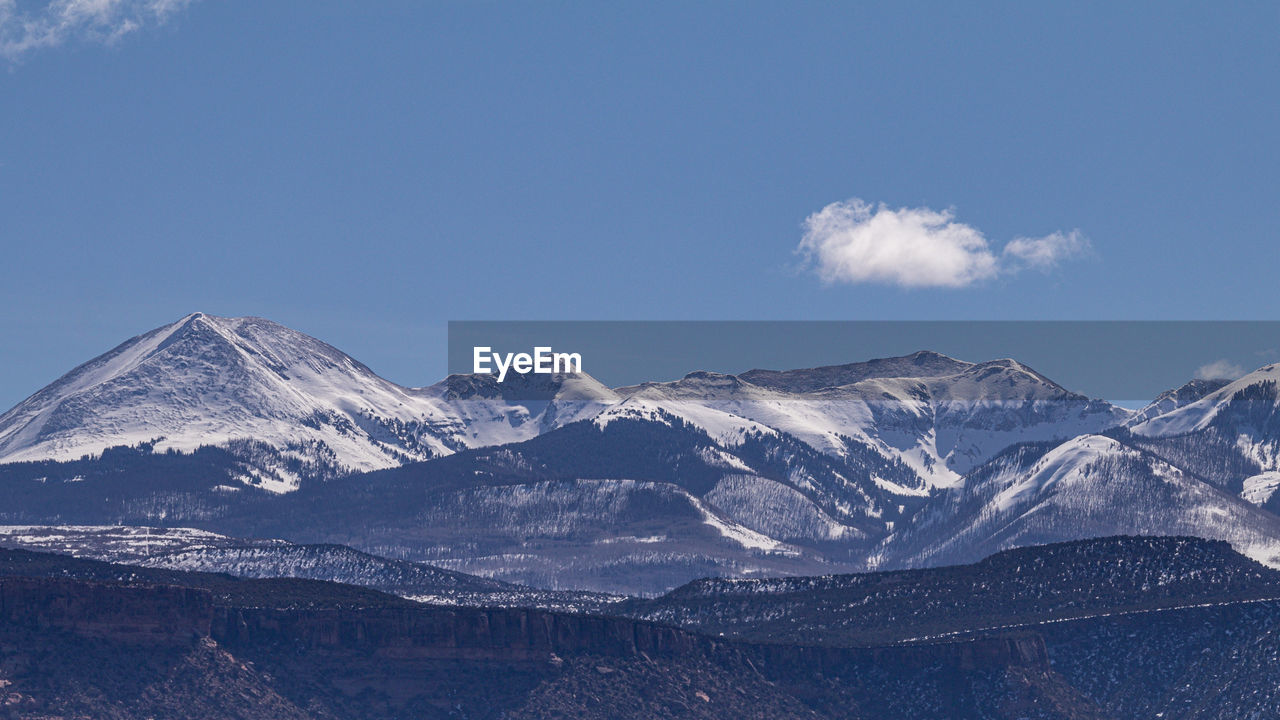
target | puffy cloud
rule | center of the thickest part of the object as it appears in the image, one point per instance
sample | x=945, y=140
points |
x=1220, y=370
x=913, y=247
x=26, y=27
x=855, y=242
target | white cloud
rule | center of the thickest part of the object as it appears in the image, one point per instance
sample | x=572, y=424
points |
x=914, y=247
x=1220, y=370
x=854, y=242
x=30, y=26
x=1044, y=253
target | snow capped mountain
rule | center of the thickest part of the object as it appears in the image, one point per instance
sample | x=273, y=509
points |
x=477, y=410
x=1250, y=404
x=208, y=381
x=921, y=364
x=560, y=481
x=290, y=404
x=942, y=423
x=1230, y=436
x=1171, y=400
x=1089, y=486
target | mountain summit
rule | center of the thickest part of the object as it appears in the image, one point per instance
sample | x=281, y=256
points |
x=292, y=402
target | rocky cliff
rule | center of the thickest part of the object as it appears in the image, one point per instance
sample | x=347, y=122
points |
x=141, y=614
x=103, y=649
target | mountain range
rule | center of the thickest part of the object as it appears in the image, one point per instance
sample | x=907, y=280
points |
x=245, y=427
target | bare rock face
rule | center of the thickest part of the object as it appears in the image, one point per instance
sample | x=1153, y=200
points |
x=513, y=634
x=117, y=650
x=142, y=615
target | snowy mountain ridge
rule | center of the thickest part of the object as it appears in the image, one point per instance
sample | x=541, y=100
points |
x=561, y=482
x=1210, y=407
x=206, y=380
x=941, y=424
x=295, y=406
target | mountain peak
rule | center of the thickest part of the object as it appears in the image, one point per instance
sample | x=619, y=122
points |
x=290, y=399
x=919, y=364
x=1171, y=400
x=208, y=380
x=1011, y=371
x=921, y=357
x=1255, y=395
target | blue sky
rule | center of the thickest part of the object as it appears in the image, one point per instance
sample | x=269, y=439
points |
x=366, y=172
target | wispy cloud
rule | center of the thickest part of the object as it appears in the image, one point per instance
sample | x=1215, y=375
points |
x=1220, y=370
x=855, y=242
x=29, y=26
x=1045, y=253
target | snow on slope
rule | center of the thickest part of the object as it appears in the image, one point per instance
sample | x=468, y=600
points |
x=817, y=421
x=921, y=364
x=478, y=411
x=940, y=425
x=1202, y=413
x=776, y=510
x=208, y=380
x=1089, y=486
x=195, y=550
x=285, y=400
x=1171, y=400
x=118, y=543
x=1259, y=488
x=1238, y=426
x=725, y=428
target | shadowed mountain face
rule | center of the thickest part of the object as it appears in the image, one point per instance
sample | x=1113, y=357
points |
x=1016, y=587
x=1111, y=628
x=210, y=646
x=154, y=553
